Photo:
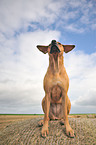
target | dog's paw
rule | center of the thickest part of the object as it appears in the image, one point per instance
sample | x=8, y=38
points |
x=44, y=131
x=40, y=123
x=70, y=132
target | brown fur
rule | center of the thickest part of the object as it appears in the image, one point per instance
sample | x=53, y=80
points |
x=56, y=104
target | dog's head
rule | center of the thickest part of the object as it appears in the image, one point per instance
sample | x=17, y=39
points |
x=55, y=48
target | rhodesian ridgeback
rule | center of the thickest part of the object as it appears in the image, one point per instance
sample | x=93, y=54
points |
x=56, y=104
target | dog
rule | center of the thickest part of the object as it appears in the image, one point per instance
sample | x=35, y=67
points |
x=56, y=104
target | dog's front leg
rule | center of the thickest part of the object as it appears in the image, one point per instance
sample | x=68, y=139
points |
x=69, y=130
x=46, y=116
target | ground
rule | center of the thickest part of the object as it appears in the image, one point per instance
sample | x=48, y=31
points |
x=25, y=131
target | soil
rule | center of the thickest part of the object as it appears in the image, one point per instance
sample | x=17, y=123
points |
x=27, y=132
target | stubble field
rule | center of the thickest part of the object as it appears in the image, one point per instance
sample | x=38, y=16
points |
x=24, y=130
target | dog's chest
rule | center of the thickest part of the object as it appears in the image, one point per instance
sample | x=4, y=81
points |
x=56, y=94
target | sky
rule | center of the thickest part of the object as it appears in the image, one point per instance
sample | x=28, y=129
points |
x=26, y=24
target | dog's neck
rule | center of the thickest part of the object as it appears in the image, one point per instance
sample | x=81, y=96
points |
x=56, y=63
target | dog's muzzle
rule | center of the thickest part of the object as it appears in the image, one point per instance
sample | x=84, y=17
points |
x=54, y=47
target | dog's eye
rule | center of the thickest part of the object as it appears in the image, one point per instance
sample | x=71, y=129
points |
x=59, y=43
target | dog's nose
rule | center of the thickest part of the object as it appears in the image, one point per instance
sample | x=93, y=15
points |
x=53, y=42
x=54, y=47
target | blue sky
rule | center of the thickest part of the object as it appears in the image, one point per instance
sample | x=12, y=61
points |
x=25, y=24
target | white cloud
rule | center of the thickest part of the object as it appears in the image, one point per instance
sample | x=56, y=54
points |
x=23, y=25
x=17, y=16
x=22, y=69
x=81, y=69
x=74, y=28
x=21, y=81
x=89, y=99
x=85, y=103
x=94, y=26
x=77, y=16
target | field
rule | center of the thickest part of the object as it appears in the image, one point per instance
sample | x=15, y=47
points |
x=24, y=130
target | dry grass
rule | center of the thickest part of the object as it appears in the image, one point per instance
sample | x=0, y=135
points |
x=5, y=120
x=25, y=131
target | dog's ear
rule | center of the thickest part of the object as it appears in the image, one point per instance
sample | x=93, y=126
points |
x=42, y=48
x=68, y=48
